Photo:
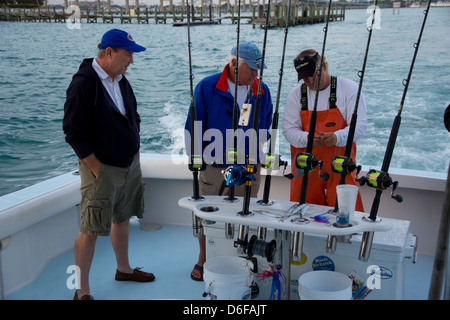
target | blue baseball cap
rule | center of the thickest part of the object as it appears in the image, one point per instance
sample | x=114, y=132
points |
x=250, y=53
x=116, y=38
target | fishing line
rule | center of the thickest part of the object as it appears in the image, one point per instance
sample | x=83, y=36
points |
x=307, y=161
x=196, y=162
x=345, y=165
x=273, y=161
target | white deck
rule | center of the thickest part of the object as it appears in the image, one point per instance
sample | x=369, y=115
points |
x=42, y=232
x=170, y=253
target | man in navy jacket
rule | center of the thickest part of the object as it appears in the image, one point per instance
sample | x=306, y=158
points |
x=101, y=124
x=214, y=102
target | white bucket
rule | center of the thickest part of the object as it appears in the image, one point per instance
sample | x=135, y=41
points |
x=324, y=285
x=227, y=278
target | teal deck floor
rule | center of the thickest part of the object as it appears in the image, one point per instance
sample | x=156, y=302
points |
x=170, y=253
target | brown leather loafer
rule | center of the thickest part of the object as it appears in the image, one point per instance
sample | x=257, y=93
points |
x=137, y=275
x=85, y=297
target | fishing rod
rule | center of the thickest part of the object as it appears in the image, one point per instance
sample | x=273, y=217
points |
x=380, y=180
x=233, y=154
x=237, y=174
x=196, y=162
x=307, y=161
x=345, y=165
x=251, y=167
x=273, y=161
x=241, y=175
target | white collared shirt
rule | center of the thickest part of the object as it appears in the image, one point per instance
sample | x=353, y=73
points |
x=242, y=93
x=346, y=93
x=111, y=86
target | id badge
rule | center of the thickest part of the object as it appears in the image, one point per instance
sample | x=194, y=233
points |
x=245, y=114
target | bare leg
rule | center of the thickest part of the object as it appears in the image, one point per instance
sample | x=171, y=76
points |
x=84, y=253
x=201, y=257
x=119, y=239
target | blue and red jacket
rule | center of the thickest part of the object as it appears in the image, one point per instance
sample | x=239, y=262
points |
x=214, y=110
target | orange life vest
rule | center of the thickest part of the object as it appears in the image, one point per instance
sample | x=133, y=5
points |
x=319, y=191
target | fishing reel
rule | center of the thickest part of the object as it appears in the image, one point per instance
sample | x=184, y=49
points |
x=197, y=163
x=381, y=180
x=308, y=163
x=233, y=155
x=274, y=162
x=238, y=175
x=235, y=174
x=261, y=248
x=256, y=246
x=342, y=164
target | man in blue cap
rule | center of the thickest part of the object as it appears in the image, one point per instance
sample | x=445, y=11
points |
x=214, y=103
x=101, y=124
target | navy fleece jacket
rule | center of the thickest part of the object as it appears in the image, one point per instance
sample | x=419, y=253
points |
x=93, y=124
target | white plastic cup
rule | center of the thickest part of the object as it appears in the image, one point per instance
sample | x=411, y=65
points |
x=346, y=196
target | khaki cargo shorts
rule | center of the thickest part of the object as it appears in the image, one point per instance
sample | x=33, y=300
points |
x=113, y=197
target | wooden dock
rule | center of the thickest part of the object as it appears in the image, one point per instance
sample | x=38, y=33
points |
x=301, y=13
x=305, y=13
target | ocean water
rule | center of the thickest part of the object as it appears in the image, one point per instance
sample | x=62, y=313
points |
x=37, y=61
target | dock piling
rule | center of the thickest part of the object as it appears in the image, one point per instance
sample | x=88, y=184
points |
x=253, y=12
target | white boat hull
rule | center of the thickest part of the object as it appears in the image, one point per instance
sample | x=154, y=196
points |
x=42, y=221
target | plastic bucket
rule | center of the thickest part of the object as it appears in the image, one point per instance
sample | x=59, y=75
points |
x=227, y=278
x=324, y=285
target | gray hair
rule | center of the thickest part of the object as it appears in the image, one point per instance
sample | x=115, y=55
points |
x=101, y=52
x=241, y=60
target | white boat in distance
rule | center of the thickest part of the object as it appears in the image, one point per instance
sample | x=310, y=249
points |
x=39, y=224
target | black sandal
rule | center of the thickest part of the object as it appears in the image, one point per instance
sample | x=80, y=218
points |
x=198, y=268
